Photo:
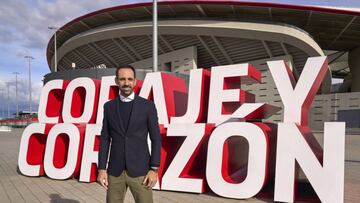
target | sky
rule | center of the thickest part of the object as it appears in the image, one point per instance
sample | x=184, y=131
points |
x=24, y=31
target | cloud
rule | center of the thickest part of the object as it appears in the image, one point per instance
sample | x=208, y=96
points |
x=28, y=20
x=6, y=35
x=23, y=31
x=24, y=24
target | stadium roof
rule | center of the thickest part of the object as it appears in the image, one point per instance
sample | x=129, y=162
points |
x=331, y=29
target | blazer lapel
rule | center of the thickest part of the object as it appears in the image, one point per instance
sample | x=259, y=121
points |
x=135, y=109
x=118, y=106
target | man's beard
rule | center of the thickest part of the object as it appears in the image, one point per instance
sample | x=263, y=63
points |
x=126, y=92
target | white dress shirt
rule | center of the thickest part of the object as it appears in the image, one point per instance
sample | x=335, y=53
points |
x=128, y=98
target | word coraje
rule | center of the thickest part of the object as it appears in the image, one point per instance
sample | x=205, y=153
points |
x=213, y=137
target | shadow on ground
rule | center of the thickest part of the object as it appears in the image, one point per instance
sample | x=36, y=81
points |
x=56, y=198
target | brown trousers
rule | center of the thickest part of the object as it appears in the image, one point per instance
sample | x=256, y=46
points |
x=118, y=186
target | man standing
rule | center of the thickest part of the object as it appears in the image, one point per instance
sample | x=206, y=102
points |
x=128, y=120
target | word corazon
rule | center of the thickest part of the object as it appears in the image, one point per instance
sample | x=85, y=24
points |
x=213, y=137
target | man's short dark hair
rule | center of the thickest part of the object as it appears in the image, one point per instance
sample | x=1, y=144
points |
x=123, y=67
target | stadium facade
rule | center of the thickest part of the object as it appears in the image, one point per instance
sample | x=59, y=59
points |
x=204, y=34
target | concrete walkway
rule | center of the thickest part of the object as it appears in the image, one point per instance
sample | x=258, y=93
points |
x=18, y=188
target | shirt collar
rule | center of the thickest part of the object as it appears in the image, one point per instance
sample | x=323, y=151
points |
x=127, y=99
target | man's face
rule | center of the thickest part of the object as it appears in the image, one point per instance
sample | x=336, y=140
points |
x=126, y=81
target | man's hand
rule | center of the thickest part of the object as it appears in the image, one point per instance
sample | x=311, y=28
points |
x=150, y=179
x=103, y=178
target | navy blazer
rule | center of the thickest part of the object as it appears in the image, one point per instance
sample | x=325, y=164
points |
x=129, y=147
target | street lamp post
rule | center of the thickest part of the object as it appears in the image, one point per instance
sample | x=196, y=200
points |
x=30, y=99
x=155, y=37
x=2, y=103
x=55, y=44
x=16, y=93
x=8, y=99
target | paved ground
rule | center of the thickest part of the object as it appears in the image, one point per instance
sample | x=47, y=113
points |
x=18, y=188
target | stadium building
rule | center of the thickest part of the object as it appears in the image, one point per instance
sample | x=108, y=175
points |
x=203, y=34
